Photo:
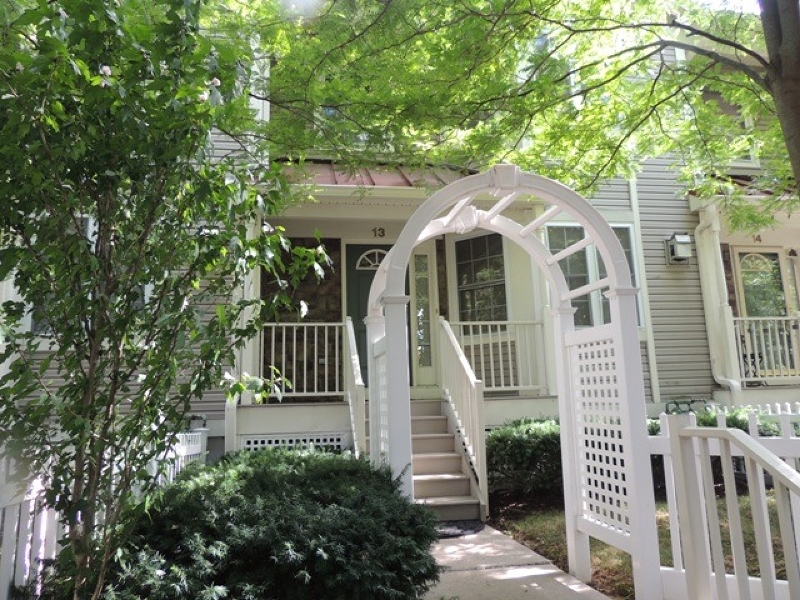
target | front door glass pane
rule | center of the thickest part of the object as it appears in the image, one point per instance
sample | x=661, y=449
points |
x=422, y=318
x=762, y=284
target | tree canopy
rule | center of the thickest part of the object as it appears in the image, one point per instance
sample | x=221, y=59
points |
x=576, y=90
x=129, y=248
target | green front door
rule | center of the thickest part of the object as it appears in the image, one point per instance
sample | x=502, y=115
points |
x=361, y=263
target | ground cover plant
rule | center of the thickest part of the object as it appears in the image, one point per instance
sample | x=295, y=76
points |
x=543, y=529
x=280, y=524
x=529, y=511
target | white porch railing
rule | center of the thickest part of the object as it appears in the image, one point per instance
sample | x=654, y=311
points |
x=308, y=357
x=505, y=355
x=705, y=563
x=30, y=531
x=463, y=394
x=355, y=391
x=191, y=448
x=769, y=347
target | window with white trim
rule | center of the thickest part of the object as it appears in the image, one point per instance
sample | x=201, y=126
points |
x=586, y=266
x=39, y=321
x=481, y=281
x=766, y=281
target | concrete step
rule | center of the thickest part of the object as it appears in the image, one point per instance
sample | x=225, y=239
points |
x=441, y=485
x=429, y=424
x=426, y=408
x=432, y=463
x=453, y=508
x=433, y=442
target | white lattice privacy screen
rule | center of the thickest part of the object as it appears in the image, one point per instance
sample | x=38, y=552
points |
x=598, y=423
x=329, y=441
x=383, y=404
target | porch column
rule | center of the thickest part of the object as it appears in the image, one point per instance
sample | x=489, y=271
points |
x=7, y=292
x=399, y=391
x=719, y=315
x=249, y=355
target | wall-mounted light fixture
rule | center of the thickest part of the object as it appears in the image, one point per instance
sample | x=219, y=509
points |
x=678, y=248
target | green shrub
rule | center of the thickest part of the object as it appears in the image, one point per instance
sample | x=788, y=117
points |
x=736, y=419
x=524, y=457
x=283, y=525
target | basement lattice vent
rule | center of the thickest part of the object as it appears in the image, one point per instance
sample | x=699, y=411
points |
x=328, y=441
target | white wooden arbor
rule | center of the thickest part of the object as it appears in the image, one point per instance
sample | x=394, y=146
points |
x=607, y=477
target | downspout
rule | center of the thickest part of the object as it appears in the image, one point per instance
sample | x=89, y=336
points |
x=715, y=301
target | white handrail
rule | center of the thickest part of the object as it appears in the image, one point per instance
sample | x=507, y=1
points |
x=699, y=554
x=463, y=393
x=355, y=391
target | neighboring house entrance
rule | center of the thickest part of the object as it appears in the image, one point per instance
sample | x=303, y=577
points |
x=767, y=297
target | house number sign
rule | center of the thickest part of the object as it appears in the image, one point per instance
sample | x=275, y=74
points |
x=378, y=232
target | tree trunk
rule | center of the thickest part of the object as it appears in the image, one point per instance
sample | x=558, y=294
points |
x=787, y=103
x=781, y=22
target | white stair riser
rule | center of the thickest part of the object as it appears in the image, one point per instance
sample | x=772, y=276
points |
x=431, y=465
x=441, y=487
x=459, y=512
x=428, y=425
x=426, y=408
x=435, y=443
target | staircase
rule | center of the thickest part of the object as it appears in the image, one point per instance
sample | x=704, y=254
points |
x=441, y=479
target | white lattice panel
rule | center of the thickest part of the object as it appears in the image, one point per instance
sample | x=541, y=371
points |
x=383, y=404
x=604, y=489
x=329, y=441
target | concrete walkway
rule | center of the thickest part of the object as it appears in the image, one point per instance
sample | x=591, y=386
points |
x=489, y=565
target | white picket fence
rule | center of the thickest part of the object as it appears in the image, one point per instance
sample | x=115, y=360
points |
x=30, y=532
x=705, y=520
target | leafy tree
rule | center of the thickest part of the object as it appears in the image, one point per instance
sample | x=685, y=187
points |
x=128, y=245
x=577, y=90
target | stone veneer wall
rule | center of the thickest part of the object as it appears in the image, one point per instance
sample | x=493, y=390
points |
x=324, y=300
x=323, y=297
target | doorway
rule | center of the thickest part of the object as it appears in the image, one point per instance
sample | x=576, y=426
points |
x=361, y=264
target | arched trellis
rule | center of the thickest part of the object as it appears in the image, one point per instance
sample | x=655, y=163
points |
x=607, y=478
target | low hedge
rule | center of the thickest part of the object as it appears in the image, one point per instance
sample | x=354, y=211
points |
x=524, y=457
x=283, y=525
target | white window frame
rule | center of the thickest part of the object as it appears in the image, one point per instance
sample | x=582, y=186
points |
x=91, y=236
x=452, y=273
x=593, y=262
x=27, y=321
x=789, y=269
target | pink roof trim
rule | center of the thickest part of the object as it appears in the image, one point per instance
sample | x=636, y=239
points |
x=326, y=173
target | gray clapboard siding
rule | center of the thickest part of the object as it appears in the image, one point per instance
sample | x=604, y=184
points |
x=612, y=195
x=676, y=306
x=222, y=147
